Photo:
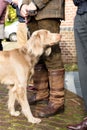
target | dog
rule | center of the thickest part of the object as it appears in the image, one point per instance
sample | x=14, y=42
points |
x=17, y=68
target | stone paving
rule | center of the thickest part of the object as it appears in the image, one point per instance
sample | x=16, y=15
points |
x=74, y=113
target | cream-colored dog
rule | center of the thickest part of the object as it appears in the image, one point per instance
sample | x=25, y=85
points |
x=17, y=67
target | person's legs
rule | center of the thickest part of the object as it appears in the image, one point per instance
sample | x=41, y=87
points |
x=80, y=29
x=40, y=78
x=55, y=68
x=55, y=91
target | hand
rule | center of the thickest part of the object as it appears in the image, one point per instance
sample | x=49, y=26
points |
x=26, y=8
x=24, y=11
x=32, y=6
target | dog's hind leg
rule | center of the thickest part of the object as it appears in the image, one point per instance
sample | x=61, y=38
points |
x=22, y=99
x=11, y=102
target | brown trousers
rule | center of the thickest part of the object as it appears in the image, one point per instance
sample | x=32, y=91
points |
x=54, y=60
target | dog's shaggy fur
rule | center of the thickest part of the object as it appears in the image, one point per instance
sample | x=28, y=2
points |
x=17, y=67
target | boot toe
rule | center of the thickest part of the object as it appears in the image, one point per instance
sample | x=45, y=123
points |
x=75, y=127
x=71, y=128
x=49, y=110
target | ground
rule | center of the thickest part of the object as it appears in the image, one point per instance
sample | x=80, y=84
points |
x=74, y=113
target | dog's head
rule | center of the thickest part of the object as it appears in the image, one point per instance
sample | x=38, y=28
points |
x=40, y=39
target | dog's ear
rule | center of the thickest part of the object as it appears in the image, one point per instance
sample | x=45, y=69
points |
x=34, y=45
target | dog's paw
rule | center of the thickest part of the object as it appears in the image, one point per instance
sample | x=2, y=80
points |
x=16, y=113
x=34, y=120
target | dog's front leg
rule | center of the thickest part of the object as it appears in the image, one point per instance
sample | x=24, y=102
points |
x=22, y=99
x=11, y=102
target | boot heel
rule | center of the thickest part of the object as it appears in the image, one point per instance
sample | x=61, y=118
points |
x=61, y=109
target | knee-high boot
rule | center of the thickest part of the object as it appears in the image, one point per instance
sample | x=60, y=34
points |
x=56, y=97
x=40, y=79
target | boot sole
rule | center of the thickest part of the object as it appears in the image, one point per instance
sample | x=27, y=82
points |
x=60, y=110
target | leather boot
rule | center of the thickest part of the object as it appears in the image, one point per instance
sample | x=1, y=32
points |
x=41, y=90
x=81, y=126
x=56, y=98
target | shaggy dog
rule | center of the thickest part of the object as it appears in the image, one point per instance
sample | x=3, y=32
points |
x=17, y=67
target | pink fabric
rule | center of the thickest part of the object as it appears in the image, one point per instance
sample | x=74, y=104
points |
x=3, y=6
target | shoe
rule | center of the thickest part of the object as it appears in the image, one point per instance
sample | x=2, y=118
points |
x=50, y=110
x=33, y=100
x=80, y=126
x=32, y=97
x=56, y=94
x=39, y=92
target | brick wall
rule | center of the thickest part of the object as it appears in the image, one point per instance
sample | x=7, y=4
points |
x=68, y=43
